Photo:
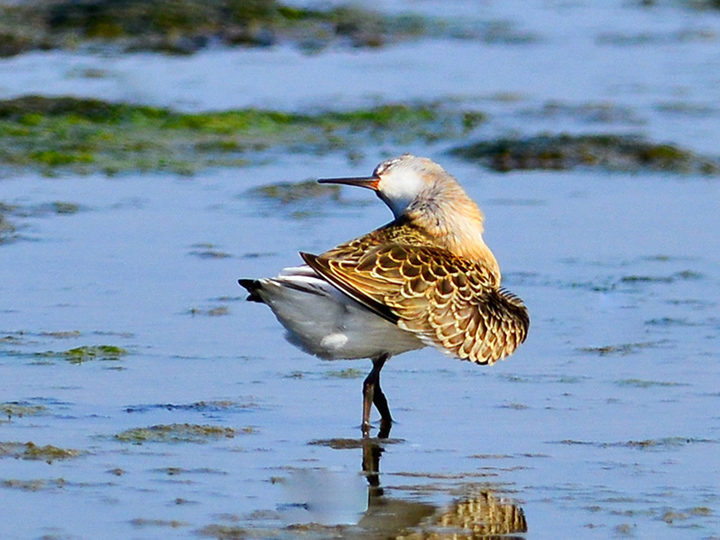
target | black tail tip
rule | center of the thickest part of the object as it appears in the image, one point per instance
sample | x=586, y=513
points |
x=253, y=286
x=249, y=284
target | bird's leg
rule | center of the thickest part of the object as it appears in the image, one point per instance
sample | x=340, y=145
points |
x=372, y=393
x=368, y=395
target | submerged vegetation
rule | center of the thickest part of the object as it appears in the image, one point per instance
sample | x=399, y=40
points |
x=185, y=26
x=78, y=355
x=608, y=152
x=31, y=451
x=8, y=230
x=178, y=433
x=20, y=409
x=290, y=192
x=89, y=135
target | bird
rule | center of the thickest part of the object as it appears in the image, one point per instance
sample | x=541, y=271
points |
x=426, y=278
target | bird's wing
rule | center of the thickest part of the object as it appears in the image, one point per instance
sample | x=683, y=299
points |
x=448, y=302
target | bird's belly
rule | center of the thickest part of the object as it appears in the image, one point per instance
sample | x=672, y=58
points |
x=331, y=325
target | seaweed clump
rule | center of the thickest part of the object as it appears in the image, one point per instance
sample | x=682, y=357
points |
x=90, y=135
x=185, y=26
x=290, y=192
x=33, y=452
x=7, y=228
x=176, y=433
x=20, y=409
x=78, y=355
x=566, y=152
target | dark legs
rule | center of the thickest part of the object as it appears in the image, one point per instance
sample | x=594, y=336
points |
x=373, y=394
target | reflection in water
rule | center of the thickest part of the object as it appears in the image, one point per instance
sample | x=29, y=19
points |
x=478, y=515
x=325, y=499
x=322, y=496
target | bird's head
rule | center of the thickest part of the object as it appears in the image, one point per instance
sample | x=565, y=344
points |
x=418, y=189
x=401, y=182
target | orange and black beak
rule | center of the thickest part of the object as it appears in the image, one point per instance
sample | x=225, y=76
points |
x=368, y=182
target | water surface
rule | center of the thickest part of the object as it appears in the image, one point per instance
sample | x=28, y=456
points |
x=604, y=424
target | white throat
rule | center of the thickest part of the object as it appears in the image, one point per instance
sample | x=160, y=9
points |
x=400, y=188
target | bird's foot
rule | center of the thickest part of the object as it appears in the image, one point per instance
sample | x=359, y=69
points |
x=383, y=432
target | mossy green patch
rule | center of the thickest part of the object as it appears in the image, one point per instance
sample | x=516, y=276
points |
x=95, y=352
x=34, y=485
x=621, y=350
x=20, y=409
x=31, y=451
x=65, y=208
x=608, y=152
x=350, y=444
x=173, y=524
x=12, y=215
x=684, y=275
x=199, y=406
x=176, y=433
x=85, y=353
x=185, y=26
x=218, y=311
x=87, y=135
x=663, y=443
x=8, y=230
x=225, y=532
x=290, y=192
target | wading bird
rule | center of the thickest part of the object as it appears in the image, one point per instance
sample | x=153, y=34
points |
x=425, y=278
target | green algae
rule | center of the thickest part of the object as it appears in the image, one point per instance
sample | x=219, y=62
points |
x=32, y=452
x=20, y=409
x=225, y=532
x=290, y=192
x=622, y=349
x=85, y=353
x=300, y=200
x=78, y=355
x=8, y=230
x=350, y=444
x=664, y=443
x=184, y=26
x=177, y=433
x=89, y=135
x=684, y=275
x=605, y=152
x=172, y=523
x=34, y=485
x=13, y=216
x=218, y=311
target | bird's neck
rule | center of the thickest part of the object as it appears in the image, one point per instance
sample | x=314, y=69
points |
x=457, y=226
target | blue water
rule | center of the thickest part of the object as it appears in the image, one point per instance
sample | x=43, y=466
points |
x=603, y=424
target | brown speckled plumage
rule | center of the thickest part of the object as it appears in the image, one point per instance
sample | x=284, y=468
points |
x=426, y=278
x=452, y=303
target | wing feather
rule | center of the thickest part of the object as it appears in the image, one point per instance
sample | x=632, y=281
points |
x=451, y=303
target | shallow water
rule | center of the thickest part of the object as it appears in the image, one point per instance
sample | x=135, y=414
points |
x=605, y=423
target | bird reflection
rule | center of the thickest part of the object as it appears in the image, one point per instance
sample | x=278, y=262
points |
x=364, y=510
x=480, y=515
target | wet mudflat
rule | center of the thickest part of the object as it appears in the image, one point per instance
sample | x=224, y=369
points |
x=142, y=397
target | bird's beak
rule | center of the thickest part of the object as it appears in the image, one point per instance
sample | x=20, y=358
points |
x=369, y=182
